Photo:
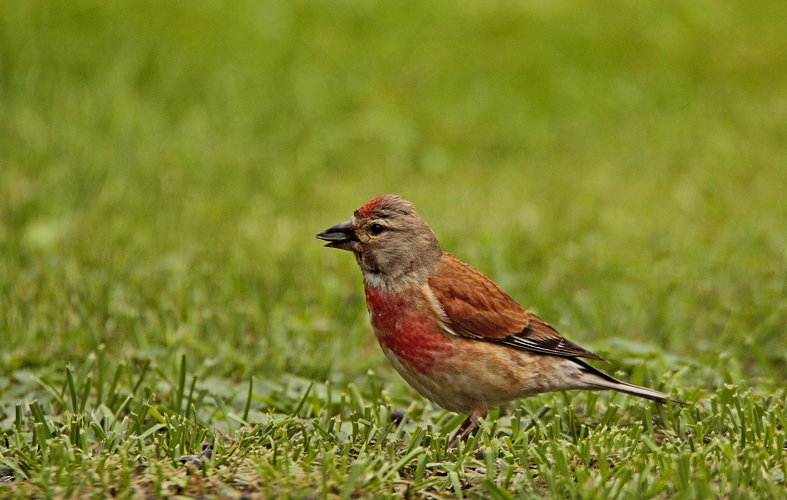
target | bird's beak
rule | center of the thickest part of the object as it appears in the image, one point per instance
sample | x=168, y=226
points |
x=340, y=236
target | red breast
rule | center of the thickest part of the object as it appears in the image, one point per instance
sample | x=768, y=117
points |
x=406, y=325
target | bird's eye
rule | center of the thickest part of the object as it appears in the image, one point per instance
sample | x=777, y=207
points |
x=377, y=229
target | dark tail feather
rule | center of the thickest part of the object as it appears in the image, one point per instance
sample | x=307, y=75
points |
x=603, y=381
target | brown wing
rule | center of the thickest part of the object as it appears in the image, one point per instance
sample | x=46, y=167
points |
x=477, y=308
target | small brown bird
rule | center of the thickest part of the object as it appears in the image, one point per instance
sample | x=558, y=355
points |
x=450, y=331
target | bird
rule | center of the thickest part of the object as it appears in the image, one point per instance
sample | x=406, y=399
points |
x=449, y=330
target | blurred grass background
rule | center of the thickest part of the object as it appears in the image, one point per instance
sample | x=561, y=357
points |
x=620, y=168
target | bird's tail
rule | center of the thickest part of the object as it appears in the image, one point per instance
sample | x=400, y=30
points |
x=602, y=381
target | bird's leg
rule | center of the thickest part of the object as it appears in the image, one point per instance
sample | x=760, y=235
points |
x=464, y=430
x=469, y=425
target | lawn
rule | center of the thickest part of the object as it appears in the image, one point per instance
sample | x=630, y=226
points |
x=620, y=168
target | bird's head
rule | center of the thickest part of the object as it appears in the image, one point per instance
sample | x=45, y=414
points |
x=389, y=239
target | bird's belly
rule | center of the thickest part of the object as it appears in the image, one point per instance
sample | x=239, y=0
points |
x=433, y=385
x=474, y=372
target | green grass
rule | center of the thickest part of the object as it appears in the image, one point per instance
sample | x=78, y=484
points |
x=618, y=168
